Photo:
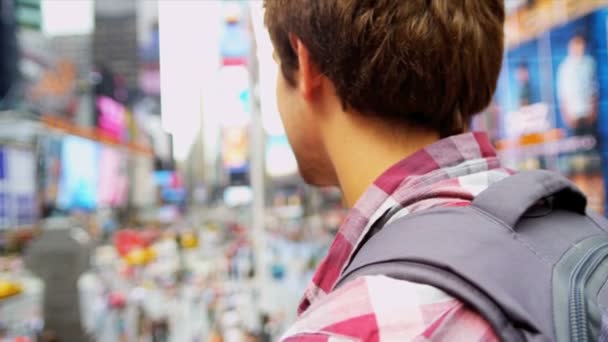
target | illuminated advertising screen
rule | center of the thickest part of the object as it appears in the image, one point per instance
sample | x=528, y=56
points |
x=551, y=105
x=21, y=187
x=113, y=177
x=79, y=174
x=235, y=152
x=235, y=39
x=50, y=169
x=112, y=117
x=579, y=59
x=171, y=186
x=18, y=205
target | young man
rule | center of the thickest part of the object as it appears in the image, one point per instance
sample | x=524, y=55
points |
x=376, y=96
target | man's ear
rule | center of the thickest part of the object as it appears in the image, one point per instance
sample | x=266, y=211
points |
x=309, y=76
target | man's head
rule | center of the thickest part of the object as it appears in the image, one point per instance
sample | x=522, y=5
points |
x=415, y=65
x=577, y=46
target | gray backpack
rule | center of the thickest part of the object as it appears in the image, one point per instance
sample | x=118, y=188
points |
x=526, y=255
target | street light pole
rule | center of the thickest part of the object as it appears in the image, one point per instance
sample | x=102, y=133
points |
x=257, y=169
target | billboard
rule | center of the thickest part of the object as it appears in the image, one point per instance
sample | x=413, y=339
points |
x=21, y=167
x=78, y=185
x=235, y=153
x=551, y=105
x=18, y=200
x=235, y=39
x=579, y=58
x=113, y=177
x=148, y=40
x=111, y=118
x=50, y=170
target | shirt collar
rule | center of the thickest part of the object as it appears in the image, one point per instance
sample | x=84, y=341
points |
x=441, y=155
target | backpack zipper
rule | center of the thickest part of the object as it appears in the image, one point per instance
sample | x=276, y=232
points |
x=578, y=279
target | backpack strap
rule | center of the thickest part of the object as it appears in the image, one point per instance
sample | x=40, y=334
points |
x=513, y=197
x=454, y=249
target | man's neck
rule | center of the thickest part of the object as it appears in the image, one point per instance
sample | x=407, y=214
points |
x=362, y=151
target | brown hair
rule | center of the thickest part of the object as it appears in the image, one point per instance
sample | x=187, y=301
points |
x=428, y=63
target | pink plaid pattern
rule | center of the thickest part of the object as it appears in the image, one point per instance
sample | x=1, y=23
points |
x=450, y=172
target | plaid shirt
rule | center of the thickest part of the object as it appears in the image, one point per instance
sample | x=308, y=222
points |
x=450, y=172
